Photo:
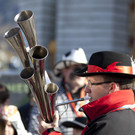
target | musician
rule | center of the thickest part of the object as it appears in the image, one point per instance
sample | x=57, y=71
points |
x=110, y=110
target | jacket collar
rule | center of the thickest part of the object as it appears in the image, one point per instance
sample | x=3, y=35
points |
x=108, y=103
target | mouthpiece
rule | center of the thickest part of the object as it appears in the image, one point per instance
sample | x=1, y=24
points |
x=76, y=100
x=87, y=97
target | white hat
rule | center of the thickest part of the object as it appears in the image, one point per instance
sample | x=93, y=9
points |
x=75, y=56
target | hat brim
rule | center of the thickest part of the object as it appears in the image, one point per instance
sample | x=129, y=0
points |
x=73, y=124
x=84, y=73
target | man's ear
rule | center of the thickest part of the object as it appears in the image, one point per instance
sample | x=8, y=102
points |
x=113, y=87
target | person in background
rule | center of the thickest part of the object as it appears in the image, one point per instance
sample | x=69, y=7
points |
x=25, y=110
x=33, y=123
x=6, y=128
x=78, y=124
x=111, y=107
x=70, y=87
x=10, y=121
x=4, y=95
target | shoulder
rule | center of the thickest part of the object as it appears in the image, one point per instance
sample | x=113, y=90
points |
x=24, y=107
x=121, y=121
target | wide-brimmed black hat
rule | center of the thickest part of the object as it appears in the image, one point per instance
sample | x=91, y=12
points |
x=79, y=123
x=108, y=62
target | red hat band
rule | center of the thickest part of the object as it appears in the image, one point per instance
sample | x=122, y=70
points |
x=111, y=68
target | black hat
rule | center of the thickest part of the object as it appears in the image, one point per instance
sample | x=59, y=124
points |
x=108, y=62
x=79, y=123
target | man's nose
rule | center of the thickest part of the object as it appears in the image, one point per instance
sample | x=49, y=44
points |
x=87, y=89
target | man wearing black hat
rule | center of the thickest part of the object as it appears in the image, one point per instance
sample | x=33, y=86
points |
x=111, y=107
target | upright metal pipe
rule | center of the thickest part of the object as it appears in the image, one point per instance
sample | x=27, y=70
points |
x=15, y=39
x=25, y=20
x=27, y=75
x=51, y=89
x=38, y=56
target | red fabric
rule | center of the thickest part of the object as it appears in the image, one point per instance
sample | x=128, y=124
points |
x=84, y=130
x=51, y=133
x=108, y=103
x=111, y=68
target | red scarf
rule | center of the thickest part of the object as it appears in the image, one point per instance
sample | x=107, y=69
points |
x=108, y=103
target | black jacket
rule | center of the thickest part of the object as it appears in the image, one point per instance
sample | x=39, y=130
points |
x=120, y=122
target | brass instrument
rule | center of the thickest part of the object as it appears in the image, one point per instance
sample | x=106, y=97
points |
x=33, y=63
